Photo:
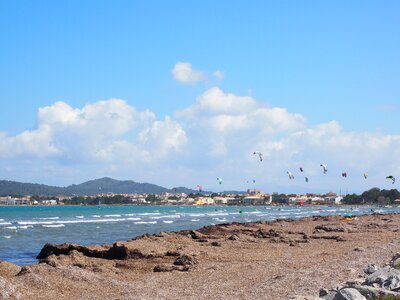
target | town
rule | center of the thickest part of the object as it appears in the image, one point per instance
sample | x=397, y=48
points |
x=251, y=197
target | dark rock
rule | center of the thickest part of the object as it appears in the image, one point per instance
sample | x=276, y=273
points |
x=371, y=269
x=216, y=244
x=323, y=292
x=24, y=270
x=164, y=268
x=172, y=253
x=185, y=260
x=359, y=249
x=202, y=240
x=330, y=228
x=349, y=294
x=233, y=237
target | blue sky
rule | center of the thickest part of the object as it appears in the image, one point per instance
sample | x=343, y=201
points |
x=327, y=61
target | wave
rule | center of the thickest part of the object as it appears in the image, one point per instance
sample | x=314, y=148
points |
x=79, y=217
x=75, y=221
x=219, y=220
x=150, y=222
x=111, y=216
x=166, y=216
x=47, y=218
x=149, y=214
x=5, y=223
x=7, y=236
x=12, y=227
x=96, y=216
x=168, y=222
x=218, y=214
x=195, y=220
x=25, y=227
x=53, y=226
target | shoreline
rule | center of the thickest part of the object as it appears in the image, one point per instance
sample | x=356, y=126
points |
x=277, y=259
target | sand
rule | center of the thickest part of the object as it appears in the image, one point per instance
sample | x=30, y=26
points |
x=261, y=260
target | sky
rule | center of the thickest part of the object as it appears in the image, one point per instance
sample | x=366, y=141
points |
x=179, y=93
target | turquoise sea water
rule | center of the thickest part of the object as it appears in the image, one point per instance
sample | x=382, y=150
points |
x=25, y=229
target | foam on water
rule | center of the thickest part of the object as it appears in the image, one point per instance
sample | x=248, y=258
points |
x=25, y=227
x=7, y=236
x=53, y=226
x=142, y=222
x=166, y=217
x=168, y=222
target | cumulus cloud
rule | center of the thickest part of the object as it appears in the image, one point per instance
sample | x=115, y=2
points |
x=213, y=137
x=183, y=72
x=95, y=133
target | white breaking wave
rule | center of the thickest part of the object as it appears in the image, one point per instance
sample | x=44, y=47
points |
x=218, y=214
x=71, y=221
x=53, y=226
x=195, y=220
x=5, y=223
x=219, y=220
x=7, y=236
x=150, y=222
x=25, y=227
x=168, y=222
x=112, y=216
x=12, y=227
x=166, y=216
x=47, y=218
x=79, y=217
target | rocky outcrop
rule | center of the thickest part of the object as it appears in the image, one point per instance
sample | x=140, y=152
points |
x=116, y=251
x=378, y=283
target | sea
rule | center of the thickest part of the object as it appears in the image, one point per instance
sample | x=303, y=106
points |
x=25, y=229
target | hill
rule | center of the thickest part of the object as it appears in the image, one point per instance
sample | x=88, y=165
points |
x=92, y=187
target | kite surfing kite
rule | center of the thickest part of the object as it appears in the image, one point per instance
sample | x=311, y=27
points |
x=306, y=178
x=344, y=174
x=365, y=175
x=392, y=178
x=200, y=188
x=324, y=167
x=301, y=169
x=219, y=180
x=291, y=176
x=259, y=155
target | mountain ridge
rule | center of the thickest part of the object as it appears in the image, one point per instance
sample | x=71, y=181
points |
x=91, y=187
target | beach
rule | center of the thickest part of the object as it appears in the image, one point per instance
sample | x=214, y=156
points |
x=269, y=260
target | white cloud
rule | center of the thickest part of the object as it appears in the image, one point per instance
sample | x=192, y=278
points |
x=213, y=137
x=184, y=73
x=94, y=133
